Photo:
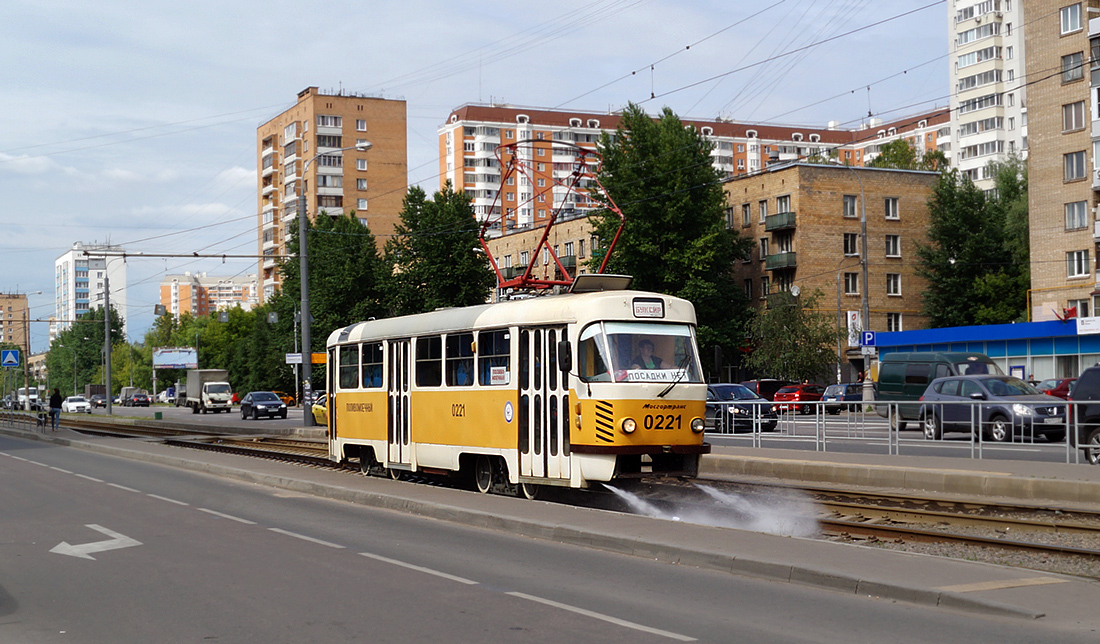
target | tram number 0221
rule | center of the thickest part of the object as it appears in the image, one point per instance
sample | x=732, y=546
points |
x=663, y=421
x=458, y=410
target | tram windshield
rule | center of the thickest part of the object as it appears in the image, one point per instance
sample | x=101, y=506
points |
x=638, y=352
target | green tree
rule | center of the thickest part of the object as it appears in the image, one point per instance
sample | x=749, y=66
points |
x=900, y=154
x=84, y=338
x=976, y=257
x=791, y=340
x=435, y=257
x=675, y=240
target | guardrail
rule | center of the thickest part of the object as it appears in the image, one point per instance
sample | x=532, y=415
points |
x=897, y=426
x=28, y=420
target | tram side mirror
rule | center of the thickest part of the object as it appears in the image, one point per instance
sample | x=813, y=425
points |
x=565, y=356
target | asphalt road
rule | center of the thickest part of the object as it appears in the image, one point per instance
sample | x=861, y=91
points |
x=183, y=557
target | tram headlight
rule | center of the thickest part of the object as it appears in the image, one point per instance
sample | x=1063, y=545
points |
x=697, y=425
x=629, y=425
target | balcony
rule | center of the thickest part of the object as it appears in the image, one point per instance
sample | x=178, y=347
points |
x=780, y=261
x=510, y=272
x=779, y=221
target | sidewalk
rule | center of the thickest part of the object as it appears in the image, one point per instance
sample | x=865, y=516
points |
x=1068, y=602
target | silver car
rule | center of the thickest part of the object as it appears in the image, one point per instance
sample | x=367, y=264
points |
x=1002, y=406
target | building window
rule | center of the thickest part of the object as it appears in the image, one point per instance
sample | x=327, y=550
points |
x=524, y=257
x=362, y=204
x=850, y=206
x=330, y=121
x=1073, y=67
x=1071, y=18
x=763, y=248
x=893, y=245
x=361, y=164
x=851, y=244
x=765, y=286
x=361, y=125
x=1077, y=263
x=748, y=289
x=746, y=214
x=783, y=204
x=1082, y=307
x=1075, y=215
x=1073, y=116
x=893, y=322
x=1074, y=165
x=851, y=283
x=360, y=184
x=763, y=210
x=892, y=208
x=893, y=284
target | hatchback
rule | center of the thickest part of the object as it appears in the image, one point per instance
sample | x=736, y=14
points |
x=262, y=403
x=797, y=397
x=845, y=396
x=1003, y=406
x=1058, y=387
x=734, y=408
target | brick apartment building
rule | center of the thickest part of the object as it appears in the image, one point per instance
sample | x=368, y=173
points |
x=14, y=317
x=372, y=183
x=199, y=293
x=805, y=221
x=1063, y=176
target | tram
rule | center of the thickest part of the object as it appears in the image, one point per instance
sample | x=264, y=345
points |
x=598, y=384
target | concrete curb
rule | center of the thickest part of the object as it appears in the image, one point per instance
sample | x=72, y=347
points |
x=672, y=553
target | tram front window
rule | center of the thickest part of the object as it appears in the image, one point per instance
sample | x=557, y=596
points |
x=638, y=352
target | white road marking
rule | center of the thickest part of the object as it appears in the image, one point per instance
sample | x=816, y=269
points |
x=37, y=463
x=19, y=458
x=164, y=498
x=83, y=550
x=227, y=516
x=60, y=470
x=606, y=618
x=305, y=538
x=461, y=580
x=83, y=476
x=123, y=487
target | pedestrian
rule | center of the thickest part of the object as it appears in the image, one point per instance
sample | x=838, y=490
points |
x=55, y=408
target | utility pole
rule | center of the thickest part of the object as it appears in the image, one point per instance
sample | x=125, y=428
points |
x=107, y=336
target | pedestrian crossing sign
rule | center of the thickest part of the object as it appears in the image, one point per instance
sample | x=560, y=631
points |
x=9, y=358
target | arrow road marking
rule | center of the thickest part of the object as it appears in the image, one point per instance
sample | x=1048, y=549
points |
x=84, y=550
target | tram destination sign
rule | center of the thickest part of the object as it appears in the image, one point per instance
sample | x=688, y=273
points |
x=649, y=307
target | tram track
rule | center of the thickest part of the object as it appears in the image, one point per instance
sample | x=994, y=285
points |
x=872, y=518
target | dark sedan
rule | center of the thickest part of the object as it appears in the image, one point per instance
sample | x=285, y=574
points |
x=136, y=400
x=98, y=400
x=735, y=408
x=262, y=403
x=1003, y=406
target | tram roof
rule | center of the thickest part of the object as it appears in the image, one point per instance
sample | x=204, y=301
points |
x=606, y=305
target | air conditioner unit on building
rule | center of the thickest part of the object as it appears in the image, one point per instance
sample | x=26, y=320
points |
x=978, y=20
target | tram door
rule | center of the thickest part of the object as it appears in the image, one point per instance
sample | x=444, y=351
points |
x=330, y=374
x=398, y=434
x=543, y=405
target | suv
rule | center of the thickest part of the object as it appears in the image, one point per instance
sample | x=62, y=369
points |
x=903, y=377
x=1084, y=406
x=1002, y=406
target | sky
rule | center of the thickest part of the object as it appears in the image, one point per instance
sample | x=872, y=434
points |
x=135, y=122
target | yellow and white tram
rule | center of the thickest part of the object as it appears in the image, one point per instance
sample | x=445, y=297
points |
x=556, y=390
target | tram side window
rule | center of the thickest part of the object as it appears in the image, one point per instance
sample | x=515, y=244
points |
x=590, y=362
x=494, y=350
x=429, y=361
x=460, y=359
x=349, y=366
x=372, y=365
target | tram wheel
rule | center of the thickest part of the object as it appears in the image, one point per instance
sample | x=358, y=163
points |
x=395, y=473
x=529, y=491
x=483, y=474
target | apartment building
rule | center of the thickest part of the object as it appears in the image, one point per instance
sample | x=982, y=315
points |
x=469, y=144
x=1063, y=175
x=989, y=111
x=200, y=293
x=309, y=152
x=14, y=316
x=806, y=221
x=80, y=280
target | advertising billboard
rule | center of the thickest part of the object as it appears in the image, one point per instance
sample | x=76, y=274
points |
x=176, y=358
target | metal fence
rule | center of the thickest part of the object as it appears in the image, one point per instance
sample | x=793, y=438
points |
x=971, y=427
x=28, y=420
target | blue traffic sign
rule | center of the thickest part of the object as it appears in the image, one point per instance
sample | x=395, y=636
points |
x=868, y=339
x=9, y=358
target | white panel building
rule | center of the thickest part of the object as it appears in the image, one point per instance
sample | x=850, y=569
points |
x=79, y=284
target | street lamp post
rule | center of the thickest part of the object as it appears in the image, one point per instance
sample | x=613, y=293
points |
x=307, y=351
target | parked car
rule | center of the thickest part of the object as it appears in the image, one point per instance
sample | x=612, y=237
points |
x=1084, y=400
x=740, y=410
x=262, y=403
x=846, y=396
x=766, y=387
x=796, y=397
x=285, y=397
x=320, y=410
x=1007, y=407
x=1058, y=387
x=136, y=400
x=76, y=405
x=904, y=376
x=98, y=400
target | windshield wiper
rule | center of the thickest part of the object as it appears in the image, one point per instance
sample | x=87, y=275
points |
x=683, y=372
